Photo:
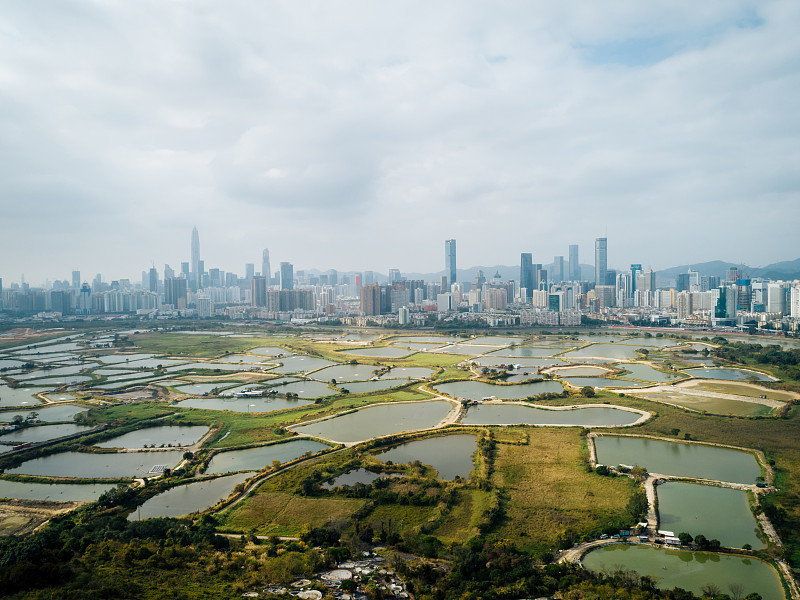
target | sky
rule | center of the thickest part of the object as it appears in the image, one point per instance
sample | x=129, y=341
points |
x=359, y=135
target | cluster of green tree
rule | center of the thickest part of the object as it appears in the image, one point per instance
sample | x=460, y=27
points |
x=773, y=355
x=700, y=541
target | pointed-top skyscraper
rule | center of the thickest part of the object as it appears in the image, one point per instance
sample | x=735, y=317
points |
x=450, y=261
x=265, y=267
x=195, y=262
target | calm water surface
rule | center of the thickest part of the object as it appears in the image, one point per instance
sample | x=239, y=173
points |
x=450, y=455
x=717, y=513
x=186, y=499
x=729, y=374
x=388, y=352
x=41, y=433
x=689, y=570
x=379, y=420
x=477, y=390
x=107, y=465
x=60, y=492
x=255, y=459
x=244, y=405
x=165, y=434
x=58, y=412
x=520, y=414
x=683, y=460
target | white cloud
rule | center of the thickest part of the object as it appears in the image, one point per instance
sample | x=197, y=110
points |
x=320, y=129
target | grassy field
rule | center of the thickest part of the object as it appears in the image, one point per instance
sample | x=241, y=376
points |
x=199, y=346
x=740, y=389
x=462, y=522
x=280, y=513
x=396, y=517
x=550, y=493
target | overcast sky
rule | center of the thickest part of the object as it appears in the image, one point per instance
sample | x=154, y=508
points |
x=361, y=135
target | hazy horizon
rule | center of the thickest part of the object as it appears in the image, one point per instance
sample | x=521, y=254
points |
x=359, y=136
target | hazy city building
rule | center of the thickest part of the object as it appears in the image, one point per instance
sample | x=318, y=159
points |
x=600, y=260
x=287, y=276
x=574, y=263
x=76, y=280
x=526, y=275
x=195, y=260
x=450, y=261
x=265, y=266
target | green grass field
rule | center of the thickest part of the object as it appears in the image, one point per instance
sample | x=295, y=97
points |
x=550, y=492
x=462, y=522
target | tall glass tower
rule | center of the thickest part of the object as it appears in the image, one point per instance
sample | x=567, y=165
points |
x=600, y=261
x=450, y=261
x=574, y=263
x=526, y=274
x=195, y=264
x=265, y=267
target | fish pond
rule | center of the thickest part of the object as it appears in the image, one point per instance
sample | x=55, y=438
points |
x=477, y=390
x=353, y=477
x=729, y=374
x=42, y=433
x=689, y=570
x=58, y=492
x=110, y=465
x=186, y=499
x=176, y=435
x=387, y=352
x=379, y=420
x=716, y=512
x=255, y=459
x=49, y=414
x=450, y=455
x=678, y=459
x=244, y=405
x=523, y=414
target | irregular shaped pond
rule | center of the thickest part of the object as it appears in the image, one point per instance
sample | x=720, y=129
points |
x=355, y=476
x=729, y=374
x=186, y=499
x=48, y=414
x=450, y=455
x=379, y=420
x=347, y=373
x=255, y=459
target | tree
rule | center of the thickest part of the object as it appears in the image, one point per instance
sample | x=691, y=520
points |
x=701, y=541
x=710, y=590
x=587, y=391
x=685, y=538
x=737, y=590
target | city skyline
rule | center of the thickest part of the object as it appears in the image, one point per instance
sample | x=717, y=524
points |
x=509, y=128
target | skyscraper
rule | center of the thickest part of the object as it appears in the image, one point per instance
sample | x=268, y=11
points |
x=600, y=261
x=153, y=280
x=287, y=276
x=195, y=259
x=558, y=269
x=526, y=274
x=574, y=263
x=450, y=261
x=265, y=272
x=76, y=279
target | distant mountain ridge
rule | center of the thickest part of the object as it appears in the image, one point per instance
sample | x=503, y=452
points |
x=786, y=270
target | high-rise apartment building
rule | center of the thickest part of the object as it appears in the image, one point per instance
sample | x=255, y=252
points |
x=287, y=276
x=526, y=274
x=258, y=290
x=450, y=261
x=574, y=263
x=600, y=261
